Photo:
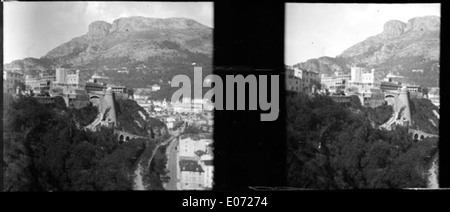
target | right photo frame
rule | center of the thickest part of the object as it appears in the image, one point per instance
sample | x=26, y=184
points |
x=362, y=95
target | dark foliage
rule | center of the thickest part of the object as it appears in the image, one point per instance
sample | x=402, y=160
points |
x=333, y=146
x=85, y=115
x=422, y=115
x=380, y=114
x=45, y=151
x=129, y=115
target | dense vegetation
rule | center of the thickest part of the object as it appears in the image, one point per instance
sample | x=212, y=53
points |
x=156, y=173
x=381, y=114
x=85, y=115
x=130, y=117
x=335, y=146
x=44, y=150
x=423, y=116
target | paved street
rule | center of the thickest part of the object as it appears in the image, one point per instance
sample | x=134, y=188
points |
x=172, y=166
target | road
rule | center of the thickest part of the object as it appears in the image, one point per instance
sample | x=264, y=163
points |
x=138, y=180
x=172, y=163
x=171, y=153
x=433, y=178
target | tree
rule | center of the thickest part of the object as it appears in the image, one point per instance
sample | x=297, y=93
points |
x=46, y=151
x=333, y=146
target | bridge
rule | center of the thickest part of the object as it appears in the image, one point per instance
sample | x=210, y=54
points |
x=419, y=135
x=125, y=136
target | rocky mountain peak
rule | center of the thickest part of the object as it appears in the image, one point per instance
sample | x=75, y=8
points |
x=98, y=29
x=426, y=23
x=138, y=23
x=401, y=47
x=393, y=28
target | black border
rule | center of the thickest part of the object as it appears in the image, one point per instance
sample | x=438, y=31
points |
x=249, y=36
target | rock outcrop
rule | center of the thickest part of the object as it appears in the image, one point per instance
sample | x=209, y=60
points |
x=400, y=48
x=98, y=29
x=132, y=40
x=393, y=28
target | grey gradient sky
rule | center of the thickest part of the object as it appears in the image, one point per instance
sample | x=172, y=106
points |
x=31, y=29
x=316, y=30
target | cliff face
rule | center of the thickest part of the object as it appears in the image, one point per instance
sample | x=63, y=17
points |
x=418, y=37
x=130, y=40
x=400, y=48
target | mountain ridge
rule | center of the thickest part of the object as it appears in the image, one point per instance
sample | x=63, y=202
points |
x=133, y=39
x=400, y=48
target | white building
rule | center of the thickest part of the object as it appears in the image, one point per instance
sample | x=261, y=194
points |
x=67, y=81
x=189, y=144
x=361, y=80
x=192, y=175
x=156, y=87
x=356, y=74
x=209, y=173
x=189, y=106
x=336, y=82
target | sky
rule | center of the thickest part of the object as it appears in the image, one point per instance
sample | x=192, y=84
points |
x=31, y=29
x=316, y=30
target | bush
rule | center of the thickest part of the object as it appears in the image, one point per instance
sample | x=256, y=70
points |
x=331, y=147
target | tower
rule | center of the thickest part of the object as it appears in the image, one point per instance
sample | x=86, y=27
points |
x=61, y=75
x=356, y=73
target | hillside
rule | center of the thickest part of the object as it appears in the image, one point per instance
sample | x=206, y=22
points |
x=45, y=150
x=335, y=146
x=128, y=42
x=400, y=48
x=134, y=119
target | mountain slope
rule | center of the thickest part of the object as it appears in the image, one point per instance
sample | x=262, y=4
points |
x=400, y=48
x=128, y=41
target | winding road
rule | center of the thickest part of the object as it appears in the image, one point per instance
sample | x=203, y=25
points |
x=138, y=180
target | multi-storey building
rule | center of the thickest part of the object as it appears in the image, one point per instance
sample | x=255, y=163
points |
x=11, y=80
x=190, y=144
x=188, y=105
x=293, y=83
x=362, y=80
x=336, y=82
x=67, y=81
x=36, y=84
x=192, y=175
x=300, y=80
x=117, y=88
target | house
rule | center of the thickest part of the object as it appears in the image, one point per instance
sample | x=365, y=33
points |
x=156, y=87
x=300, y=80
x=11, y=80
x=191, y=175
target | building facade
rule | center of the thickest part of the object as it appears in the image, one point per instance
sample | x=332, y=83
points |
x=11, y=80
x=300, y=80
x=189, y=145
x=361, y=79
x=336, y=82
x=192, y=175
x=37, y=84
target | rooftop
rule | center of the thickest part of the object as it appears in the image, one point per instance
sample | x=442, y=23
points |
x=190, y=166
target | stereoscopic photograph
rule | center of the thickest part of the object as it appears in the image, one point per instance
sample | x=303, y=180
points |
x=119, y=96
x=87, y=96
x=362, y=84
